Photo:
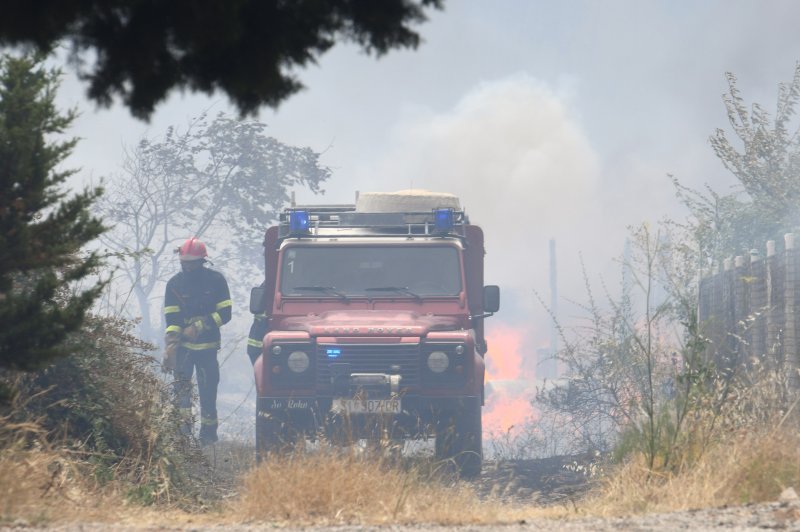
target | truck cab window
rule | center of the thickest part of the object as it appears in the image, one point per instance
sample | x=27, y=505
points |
x=358, y=270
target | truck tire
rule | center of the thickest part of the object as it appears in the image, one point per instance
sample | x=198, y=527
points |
x=459, y=439
x=274, y=434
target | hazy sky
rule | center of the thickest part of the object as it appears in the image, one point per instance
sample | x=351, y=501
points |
x=548, y=118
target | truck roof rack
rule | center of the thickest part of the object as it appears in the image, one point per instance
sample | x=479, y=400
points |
x=342, y=221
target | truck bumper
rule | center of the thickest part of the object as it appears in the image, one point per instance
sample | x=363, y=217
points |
x=316, y=417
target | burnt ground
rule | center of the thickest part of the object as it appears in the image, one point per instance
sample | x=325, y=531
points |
x=547, y=481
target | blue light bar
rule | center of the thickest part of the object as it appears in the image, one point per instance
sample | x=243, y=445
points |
x=443, y=220
x=333, y=352
x=298, y=222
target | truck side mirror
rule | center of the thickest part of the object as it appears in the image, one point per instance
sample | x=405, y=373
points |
x=257, y=303
x=491, y=298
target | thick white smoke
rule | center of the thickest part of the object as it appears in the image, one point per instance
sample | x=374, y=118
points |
x=523, y=169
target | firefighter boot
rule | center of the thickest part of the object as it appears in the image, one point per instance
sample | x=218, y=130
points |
x=186, y=422
x=208, y=431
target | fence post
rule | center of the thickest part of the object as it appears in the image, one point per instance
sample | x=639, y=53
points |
x=727, y=353
x=790, y=303
x=773, y=340
x=758, y=303
x=712, y=315
x=741, y=310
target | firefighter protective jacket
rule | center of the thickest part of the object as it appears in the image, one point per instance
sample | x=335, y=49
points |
x=203, y=295
x=255, y=341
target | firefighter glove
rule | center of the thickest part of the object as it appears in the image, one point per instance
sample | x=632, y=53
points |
x=195, y=327
x=191, y=332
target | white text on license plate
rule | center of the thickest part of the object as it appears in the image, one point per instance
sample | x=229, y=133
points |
x=366, y=406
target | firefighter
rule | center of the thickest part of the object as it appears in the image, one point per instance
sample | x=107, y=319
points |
x=197, y=303
x=255, y=341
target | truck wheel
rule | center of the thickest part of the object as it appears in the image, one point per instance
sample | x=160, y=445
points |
x=459, y=439
x=273, y=434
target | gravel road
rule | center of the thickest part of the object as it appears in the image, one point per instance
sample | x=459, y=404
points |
x=773, y=516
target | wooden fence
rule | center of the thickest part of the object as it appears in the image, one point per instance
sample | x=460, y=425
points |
x=750, y=309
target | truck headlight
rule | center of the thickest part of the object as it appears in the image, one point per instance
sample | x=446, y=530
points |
x=298, y=361
x=438, y=361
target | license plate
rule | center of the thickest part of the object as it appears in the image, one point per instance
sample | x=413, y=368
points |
x=366, y=406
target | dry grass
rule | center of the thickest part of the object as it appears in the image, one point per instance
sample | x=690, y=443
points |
x=50, y=487
x=39, y=486
x=96, y=434
x=742, y=468
x=347, y=487
x=110, y=412
x=39, y=483
x=739, y=444
x=47, y=486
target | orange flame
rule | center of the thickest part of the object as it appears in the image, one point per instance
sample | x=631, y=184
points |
x=510, y=386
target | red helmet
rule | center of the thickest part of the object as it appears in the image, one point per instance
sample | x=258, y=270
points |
x=192, y=249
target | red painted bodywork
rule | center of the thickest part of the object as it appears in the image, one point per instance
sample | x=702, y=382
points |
x=383, y=319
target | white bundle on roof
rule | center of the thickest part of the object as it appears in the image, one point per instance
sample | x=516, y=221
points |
x=413, y=200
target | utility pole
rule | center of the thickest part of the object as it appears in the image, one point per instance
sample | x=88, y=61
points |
x=553, y=305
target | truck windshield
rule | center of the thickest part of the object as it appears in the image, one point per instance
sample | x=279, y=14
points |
x=374, y=271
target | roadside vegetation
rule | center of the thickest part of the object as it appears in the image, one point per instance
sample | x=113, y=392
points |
x=104, y=449
x=739, y=445
x=97, y=423
x=642, y=386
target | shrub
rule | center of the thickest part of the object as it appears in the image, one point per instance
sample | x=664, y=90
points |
x=108, y=406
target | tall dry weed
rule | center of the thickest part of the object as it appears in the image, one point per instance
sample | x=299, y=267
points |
x=740, y=448
x=37, y=481
x=743, y=468
x=347, y=487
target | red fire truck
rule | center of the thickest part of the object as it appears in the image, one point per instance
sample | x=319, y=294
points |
x=375, y=326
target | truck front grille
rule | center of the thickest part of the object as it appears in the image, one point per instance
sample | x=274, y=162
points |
x=373, y=358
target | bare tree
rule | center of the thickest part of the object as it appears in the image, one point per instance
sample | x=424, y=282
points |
x=222, y=177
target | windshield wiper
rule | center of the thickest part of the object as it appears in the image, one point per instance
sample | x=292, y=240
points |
x=400, y=289
x=326, y=289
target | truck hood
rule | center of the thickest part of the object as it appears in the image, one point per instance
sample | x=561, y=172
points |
x=370, y=323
